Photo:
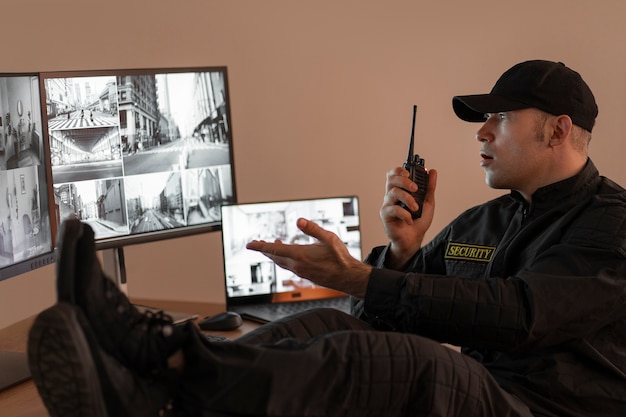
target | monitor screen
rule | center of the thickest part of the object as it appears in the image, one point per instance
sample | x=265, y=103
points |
x=142, y=154
x=26, y=226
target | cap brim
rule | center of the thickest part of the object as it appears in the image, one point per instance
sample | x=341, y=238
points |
x=474, y=107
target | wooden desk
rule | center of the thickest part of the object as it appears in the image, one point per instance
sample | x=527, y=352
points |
x=23, y=400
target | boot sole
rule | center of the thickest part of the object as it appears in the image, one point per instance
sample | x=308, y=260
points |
x=63, y=366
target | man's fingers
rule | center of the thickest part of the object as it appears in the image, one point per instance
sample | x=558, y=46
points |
x=275, y=248
x=318, y=232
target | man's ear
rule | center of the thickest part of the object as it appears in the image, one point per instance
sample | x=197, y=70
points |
x=562, y=128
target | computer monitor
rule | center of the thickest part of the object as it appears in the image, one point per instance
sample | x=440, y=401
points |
x=27, y=224
x=141, y=154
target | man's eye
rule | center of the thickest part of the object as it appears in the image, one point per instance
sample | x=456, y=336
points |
x=500, y=116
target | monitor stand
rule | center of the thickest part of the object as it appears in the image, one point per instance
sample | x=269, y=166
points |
x=115, y=268
x=13, y=369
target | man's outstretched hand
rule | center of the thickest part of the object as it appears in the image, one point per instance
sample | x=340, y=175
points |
x=326, y=262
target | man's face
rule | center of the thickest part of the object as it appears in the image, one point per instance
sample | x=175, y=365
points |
x=515, y=150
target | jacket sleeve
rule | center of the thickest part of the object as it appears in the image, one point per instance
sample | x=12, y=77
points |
x=430, y=255
x=530, y=310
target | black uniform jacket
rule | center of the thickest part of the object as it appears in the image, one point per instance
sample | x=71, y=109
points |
x=535, y=292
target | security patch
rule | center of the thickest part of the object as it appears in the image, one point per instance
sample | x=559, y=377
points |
x=467, y=252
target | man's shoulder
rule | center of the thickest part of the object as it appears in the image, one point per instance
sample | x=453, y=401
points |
x=610, y=198
x=603, y=219
x=611, y=188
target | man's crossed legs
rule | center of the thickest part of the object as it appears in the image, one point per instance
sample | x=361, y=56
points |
x=94, y=354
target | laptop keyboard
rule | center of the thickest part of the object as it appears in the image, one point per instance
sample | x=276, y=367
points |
x=271, y=312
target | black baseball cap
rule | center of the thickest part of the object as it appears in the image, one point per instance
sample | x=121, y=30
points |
x=545, y=85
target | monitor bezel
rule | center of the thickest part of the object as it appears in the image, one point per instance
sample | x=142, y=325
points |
x=49, y=256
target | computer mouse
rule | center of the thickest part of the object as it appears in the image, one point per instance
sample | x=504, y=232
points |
x=227, y=320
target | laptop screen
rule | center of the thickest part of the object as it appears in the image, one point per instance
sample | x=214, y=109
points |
x=251, y=276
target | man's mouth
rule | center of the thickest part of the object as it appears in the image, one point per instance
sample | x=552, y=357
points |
x=486, y=159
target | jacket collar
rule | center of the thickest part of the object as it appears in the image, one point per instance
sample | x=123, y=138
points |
x=563, y=192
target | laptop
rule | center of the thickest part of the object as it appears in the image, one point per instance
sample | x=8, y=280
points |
x=256, y=287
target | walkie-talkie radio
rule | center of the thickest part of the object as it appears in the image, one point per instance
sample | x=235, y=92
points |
x=417, y=173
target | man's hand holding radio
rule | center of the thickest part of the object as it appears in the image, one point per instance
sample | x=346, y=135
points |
x=404, y=232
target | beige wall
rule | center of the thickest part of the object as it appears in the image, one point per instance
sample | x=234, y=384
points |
x=321, y=97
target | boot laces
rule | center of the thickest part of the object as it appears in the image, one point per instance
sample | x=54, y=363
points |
x=142, y=336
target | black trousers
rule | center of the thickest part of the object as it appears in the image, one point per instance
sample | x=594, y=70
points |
x=327, y=363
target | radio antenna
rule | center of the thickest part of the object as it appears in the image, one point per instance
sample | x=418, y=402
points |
x=410, y=156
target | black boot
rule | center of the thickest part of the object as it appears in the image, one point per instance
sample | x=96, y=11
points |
x=75, y=378
x=141, y=341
